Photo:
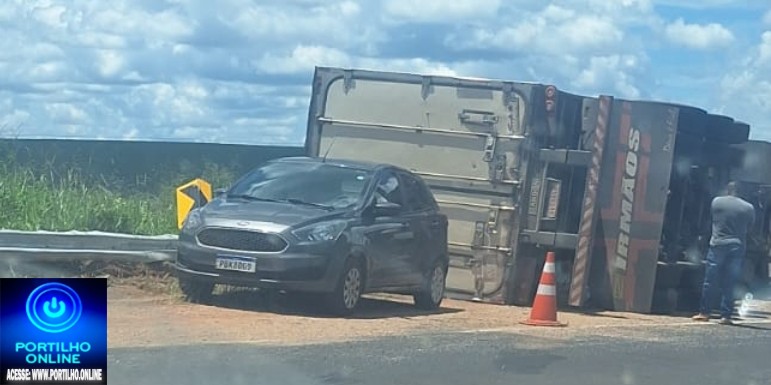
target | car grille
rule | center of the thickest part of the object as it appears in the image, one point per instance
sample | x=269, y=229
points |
x=242, y=240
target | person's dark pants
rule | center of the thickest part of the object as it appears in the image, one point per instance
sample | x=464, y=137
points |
x=723, y=272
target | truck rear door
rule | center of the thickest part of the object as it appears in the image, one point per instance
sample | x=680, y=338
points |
x=461, y=136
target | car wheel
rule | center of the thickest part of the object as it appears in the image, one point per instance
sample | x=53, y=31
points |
x=347, y=293
x=432, y=294
x=196, y=291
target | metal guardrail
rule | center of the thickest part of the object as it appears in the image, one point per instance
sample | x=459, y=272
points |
x=42, y=246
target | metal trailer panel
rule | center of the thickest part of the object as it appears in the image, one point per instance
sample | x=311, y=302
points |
x=754, y=182
x=755, y=159
x=462, y=136
x=632, y=197
x=582, y=261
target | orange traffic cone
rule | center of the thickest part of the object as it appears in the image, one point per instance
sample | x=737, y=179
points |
x=544, y=311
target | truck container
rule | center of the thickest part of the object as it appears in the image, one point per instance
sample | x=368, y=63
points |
x=619, y=189
x=754, y=181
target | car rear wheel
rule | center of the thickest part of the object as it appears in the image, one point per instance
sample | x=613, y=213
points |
x=344, y=299
x=196, y=291
x=432, y=294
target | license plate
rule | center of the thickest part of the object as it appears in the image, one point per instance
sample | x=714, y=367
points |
x=247, y=265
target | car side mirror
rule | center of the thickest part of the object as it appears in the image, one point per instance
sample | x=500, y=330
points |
x=386, y=209
x=220, y=191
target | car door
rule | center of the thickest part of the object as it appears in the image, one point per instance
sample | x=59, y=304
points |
x=390, y=239
x=420, y=212
x=436, y=246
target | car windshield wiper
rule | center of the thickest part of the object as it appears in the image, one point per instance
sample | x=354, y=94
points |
x=293, y=201
x=253, y=198
x=304, y=203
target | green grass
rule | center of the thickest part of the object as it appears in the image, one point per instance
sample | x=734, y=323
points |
x=108, y=186
x=34, y=200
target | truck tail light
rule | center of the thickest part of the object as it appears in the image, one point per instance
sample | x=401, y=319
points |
x=551, y=96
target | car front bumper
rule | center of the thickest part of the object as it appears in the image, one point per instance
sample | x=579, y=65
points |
x=311, y=268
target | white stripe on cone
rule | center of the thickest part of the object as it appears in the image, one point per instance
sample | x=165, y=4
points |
x=549, y=290
x=549, y=267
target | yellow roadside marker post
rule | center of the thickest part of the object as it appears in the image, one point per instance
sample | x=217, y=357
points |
x=191, y=195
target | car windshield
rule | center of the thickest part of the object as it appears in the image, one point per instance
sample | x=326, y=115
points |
x=305, y=183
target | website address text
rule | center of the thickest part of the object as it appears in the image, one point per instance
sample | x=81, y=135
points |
x=69, y=375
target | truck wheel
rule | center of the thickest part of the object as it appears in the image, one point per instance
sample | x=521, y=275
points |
x=724, y=129
x=343, y=300
x=665, y=301
x=196, y=291
x=432, y=294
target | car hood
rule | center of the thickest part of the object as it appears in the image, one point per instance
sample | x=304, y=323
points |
x=285, y=214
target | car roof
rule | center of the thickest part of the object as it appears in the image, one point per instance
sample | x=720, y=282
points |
x=364, y=165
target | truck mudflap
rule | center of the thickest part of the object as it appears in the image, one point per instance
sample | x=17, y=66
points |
x=462, y=136
x=632, y=197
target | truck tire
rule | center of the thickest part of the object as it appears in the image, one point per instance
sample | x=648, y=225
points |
x=195, y=290
x=740, y=134
x=724, y=129
x=748, y=281
x=692, y=120
x=665, y=301
x=432, y=294
x=344, y=299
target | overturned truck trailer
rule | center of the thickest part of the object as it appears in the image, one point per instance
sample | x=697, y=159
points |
x=754, y=180
x=618, y=189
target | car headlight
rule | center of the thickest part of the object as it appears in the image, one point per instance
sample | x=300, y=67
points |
x=192, y=221
x=324, y=231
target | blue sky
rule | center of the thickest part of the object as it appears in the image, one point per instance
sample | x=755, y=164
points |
x=239, y=71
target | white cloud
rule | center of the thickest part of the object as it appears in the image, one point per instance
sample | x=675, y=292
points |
x=701, y=4
x=764, y=50
x=580, y=45
x=440, y=10
x=746, y=91
x=697, y=36
x=120, y=18
x=240, y=70
x=610, y=73
x=342, y=24
x=302, y=59
x=66, y=113
x=50, y=15
x=109, y=62
x=553, y=30
x=11, y=122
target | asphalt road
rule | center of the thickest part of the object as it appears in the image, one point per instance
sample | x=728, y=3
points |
x=691, y=354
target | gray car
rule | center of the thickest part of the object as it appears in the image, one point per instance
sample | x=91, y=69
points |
x=334, y=227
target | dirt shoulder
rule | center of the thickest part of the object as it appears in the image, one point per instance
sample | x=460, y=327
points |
x=140, y=317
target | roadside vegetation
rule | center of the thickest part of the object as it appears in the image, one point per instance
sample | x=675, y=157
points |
x=42, y=198
x=115, y=186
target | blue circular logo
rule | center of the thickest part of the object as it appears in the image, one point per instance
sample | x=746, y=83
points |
x=54, y=307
